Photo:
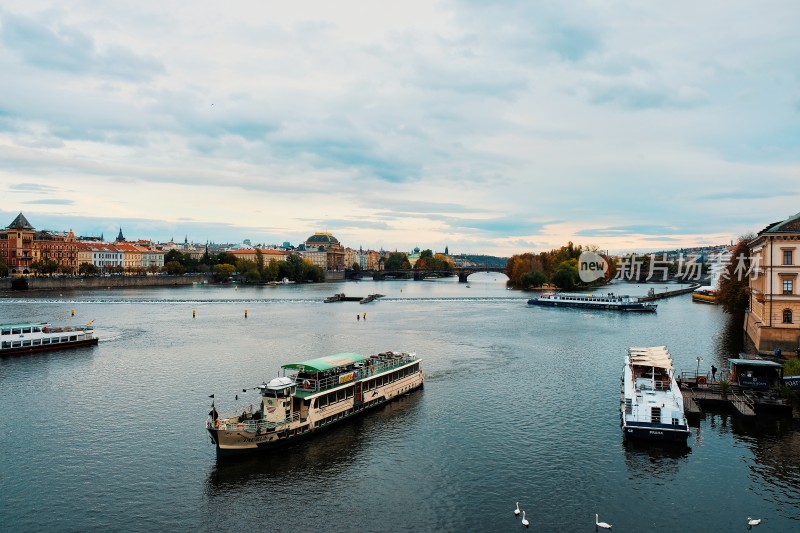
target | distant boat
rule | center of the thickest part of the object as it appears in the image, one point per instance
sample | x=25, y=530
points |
x=590, y=301
x=706, y=295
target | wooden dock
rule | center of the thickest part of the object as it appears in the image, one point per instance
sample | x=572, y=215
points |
x=696, y=399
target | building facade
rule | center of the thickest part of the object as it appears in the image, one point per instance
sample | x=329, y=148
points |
x=773, y=320
x=323, y=241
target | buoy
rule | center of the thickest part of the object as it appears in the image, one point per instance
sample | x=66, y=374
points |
x=194, y=313
x=245, y=313
x=73, y=312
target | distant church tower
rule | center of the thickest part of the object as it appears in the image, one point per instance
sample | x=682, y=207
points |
x=120, y=237
x=446, y=252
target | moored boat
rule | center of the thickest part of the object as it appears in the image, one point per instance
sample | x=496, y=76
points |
x=651, y=405
x=610, y=301
x=312, y=395
x=706, y=295
x=18, y=339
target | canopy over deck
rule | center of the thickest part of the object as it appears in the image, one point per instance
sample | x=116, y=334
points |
x=755, y=362
x=328, y=362
x=656, y=356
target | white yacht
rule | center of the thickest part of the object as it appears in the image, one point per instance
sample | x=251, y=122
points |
x=651, y=403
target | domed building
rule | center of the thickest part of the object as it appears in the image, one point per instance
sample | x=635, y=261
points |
x=322, y=241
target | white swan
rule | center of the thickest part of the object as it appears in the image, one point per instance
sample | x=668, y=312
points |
x=524, y=520
x=516, y=511
x=752, y=522
x=597, y=524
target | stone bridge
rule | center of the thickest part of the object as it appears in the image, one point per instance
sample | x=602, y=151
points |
x=462, y=272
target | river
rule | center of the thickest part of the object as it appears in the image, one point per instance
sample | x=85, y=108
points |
x=520, y=404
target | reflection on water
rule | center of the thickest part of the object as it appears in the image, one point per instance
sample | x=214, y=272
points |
x=729, y=341
x=316, y=459
x=657, y=460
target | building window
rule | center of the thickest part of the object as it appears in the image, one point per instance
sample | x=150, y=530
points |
x=787, y=286
x=787, y=257
x=787, y=316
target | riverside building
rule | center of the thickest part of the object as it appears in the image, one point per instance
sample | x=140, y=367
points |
x=773, y=320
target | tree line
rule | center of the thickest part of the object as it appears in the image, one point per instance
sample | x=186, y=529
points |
x=222, y=266
x=558, y=267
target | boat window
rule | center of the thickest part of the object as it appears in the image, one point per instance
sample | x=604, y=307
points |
x=17, y=344
x=655, y=414
x=675, y=422
x=73, y=337
x=26, y=330
x=26, y=343
x=37, y=342
x=16, y=331
x=37, y=329
x=6, y=344
x=64, y=339
x=45, y=341
x=6, y=332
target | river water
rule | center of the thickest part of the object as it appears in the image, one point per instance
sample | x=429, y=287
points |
x=520, y=404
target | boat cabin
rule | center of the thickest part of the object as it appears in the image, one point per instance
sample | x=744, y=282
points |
x=755, y=373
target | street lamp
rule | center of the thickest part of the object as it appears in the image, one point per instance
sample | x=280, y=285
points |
x=696, y=372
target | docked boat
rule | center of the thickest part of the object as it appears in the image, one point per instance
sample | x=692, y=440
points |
x=312, y=395
x=651, y=405
x=590, y=301
x=41, y=336
x=706, y=295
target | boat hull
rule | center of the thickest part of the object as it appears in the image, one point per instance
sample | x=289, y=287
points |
x=632, y=307
x=24, y=350
x=655, y=432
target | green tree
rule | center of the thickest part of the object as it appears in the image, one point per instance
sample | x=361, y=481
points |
x=87, y=269
x=734, y=287
x=174, y=268
x=273, y=269
x=397, y=261
x=3, y=268
x=356, y=267
x=533, y=279
x=223, y=272
x=566, y=276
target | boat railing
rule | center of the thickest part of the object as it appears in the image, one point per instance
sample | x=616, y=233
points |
x=369, y=368
x=250, y=425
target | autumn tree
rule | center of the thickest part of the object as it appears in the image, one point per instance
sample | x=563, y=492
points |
x=734, y=286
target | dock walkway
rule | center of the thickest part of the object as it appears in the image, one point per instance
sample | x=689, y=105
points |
x=669, y=294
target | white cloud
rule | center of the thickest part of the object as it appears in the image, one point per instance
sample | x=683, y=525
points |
x=455, y=123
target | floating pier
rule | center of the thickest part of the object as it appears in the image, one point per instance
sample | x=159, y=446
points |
x=697, y=399
x=340, y=297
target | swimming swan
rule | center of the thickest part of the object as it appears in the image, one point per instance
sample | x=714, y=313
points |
x=597, y=524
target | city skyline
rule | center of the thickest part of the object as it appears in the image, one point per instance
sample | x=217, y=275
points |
x=495, y=129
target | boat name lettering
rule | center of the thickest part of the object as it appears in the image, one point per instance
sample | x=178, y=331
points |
x=344, y=378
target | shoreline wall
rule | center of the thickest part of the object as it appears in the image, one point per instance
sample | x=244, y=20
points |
x=52, y=284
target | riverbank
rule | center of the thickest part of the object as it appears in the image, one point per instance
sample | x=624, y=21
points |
x=53, y=284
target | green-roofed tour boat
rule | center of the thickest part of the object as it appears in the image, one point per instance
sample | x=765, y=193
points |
x=314, y=394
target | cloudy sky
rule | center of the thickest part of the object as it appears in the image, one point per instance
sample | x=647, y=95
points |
x=489, y=127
